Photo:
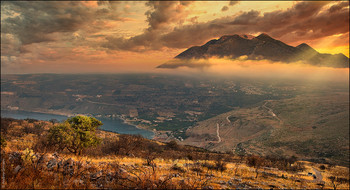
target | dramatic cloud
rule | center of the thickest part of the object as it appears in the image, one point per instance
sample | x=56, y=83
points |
x=42, y=34
x=161, y=17
x=304, y=21
x=25, y=23
x=36, y=21
x=52, y=24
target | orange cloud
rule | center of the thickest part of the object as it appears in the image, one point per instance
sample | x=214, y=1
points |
x=264, y=69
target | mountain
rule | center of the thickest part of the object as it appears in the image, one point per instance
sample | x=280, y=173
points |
x=257, y=48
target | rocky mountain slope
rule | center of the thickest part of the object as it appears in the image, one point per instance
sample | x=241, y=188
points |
x=257, y=48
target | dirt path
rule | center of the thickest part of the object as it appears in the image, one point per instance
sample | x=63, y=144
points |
x=218, y=132
x=318, y=175
x=228, y=120
x=102, y=103
x=271, y=112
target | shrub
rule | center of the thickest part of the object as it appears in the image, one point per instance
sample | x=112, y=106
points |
x=256, y=162
x=322, y=167
x=173, y=145
x=178, y=168
x=75, y=134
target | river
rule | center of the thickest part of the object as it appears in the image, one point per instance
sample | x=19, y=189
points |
x=109, y=124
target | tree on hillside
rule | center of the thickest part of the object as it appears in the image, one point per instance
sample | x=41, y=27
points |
x=256, y=162
x=75, y=134
x=339, y=176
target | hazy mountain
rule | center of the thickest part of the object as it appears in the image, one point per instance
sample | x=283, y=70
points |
x=257, y=48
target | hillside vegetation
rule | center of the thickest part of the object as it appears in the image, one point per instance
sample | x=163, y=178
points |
x=312, y=126
x=31, y=160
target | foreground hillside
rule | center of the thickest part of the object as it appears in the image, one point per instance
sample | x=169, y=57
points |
x=124, y=161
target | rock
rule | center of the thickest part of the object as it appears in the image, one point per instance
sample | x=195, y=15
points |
x=272, y=186
x=78, y=181
x=161, y=179
x=17, y=169
x=240, y=186
x=69, y=162
x=45, y=158
x=15, y=157
x=60, y=164
x=123, y=173
x=236, y=179
x=96, y=175
x=110, y=176
x=68, y=167
x=208, y=187
x=55, y=155
x=51, y=164
x=222, y=182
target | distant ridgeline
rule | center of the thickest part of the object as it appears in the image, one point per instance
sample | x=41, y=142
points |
x=258, y=48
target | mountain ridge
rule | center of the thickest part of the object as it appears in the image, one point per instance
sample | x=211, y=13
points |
x=257, y=48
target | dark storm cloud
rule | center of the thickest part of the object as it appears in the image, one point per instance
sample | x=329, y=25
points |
x=231, y=3
x=304, y=21
x=37, y=20
x=163, y=13
x=224, y=8
x=26, y=23
x=247, y=18
x=338, y=6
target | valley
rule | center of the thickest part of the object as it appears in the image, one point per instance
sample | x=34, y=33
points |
x=228, y=114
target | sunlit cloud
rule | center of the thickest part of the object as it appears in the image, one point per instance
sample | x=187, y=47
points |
x=258, y=69
x=40, y=34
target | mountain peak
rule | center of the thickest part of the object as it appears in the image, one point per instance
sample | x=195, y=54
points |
x=264, y=37
x=304, y=46
x=247, y=36
x=261, y=47
x=225, y=37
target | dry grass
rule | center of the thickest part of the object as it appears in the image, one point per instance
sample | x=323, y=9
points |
x=116, y=171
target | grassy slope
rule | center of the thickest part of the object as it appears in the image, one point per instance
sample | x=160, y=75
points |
x=314, y=126
x=132, y=171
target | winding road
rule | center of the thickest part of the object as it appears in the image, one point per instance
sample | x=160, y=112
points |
x=228, y=120
x=271, y=112
x=218, y=132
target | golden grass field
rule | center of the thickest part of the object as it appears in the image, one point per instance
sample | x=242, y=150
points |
x=158, y=172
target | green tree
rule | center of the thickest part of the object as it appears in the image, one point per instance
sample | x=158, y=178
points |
x=75, y=134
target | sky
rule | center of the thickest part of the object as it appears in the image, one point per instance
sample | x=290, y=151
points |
x=137, y=36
